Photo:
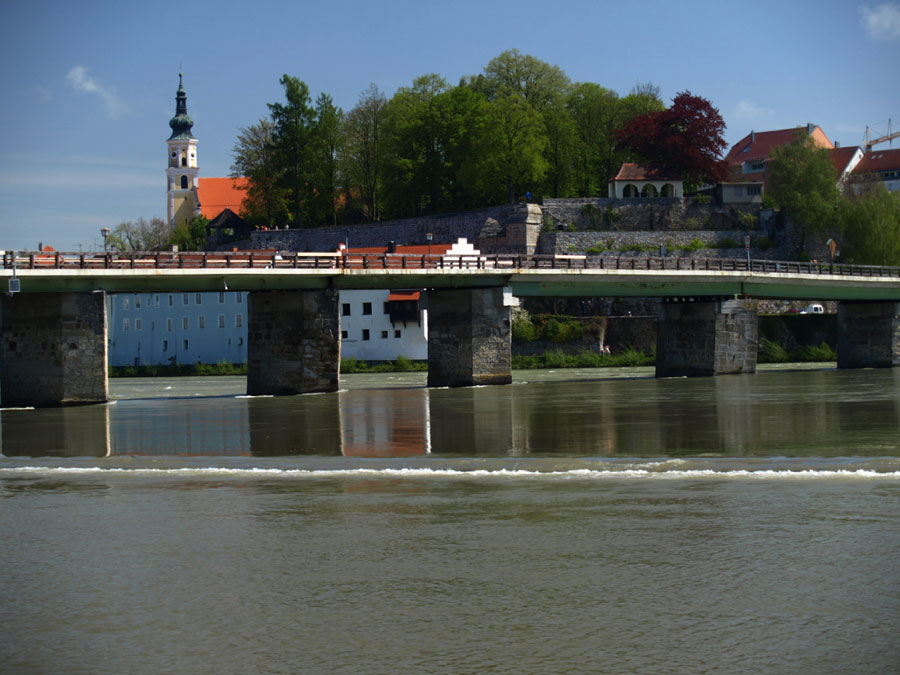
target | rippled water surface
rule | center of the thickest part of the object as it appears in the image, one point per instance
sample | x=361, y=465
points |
x=576, y=521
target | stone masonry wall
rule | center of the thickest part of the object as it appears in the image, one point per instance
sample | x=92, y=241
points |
x=498, y=229
x=53, y=349
x=293, y=342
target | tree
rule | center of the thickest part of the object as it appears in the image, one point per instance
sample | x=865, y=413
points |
x=190, y=236
x=327, y=139
x=537, y=83
x=292, y=140
x=871, y=227
x=254, y=158
x=685, y=139
x=363, y=149
x=802, y=181
x=140, y=235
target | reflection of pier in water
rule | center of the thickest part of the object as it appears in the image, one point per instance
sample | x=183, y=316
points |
x=633, y=417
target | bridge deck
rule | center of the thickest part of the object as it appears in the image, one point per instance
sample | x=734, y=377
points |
x=535, y=275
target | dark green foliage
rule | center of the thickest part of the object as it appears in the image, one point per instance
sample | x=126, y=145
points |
x=179, y=370
x=628, y=358
x=401, y=365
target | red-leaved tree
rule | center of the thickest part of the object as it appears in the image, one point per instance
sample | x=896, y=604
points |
x=685, y=139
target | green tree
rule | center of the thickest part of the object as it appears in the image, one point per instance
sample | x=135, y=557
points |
x=363, y=150
x=512, y=146
x=871, y=227
x=139, y=235
x=294, y=125
x=802, y=181
x=327, y=141
x=190, y=236
x=254, y=158
x=536, y=82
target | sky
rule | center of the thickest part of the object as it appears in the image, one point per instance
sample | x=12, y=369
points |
x=89, y=87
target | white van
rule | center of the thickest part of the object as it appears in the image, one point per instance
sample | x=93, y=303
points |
x=814, y=309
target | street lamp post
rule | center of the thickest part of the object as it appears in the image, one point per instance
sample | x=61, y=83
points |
x=105, y=232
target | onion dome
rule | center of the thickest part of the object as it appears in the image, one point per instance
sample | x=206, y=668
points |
x=181, y=124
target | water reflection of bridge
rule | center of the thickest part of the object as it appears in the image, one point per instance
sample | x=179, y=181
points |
x=599, y=417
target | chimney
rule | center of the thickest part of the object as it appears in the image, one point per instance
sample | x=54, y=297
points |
x=809, y=127
x=837, y=144
x=752, y=137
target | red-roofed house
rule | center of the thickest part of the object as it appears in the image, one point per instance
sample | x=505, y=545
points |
x=878, y=165
x=750, y=154
x=645, y=180
x=218, y=194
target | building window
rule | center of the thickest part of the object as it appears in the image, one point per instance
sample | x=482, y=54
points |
x=183, y=179
x=754, y=189
x=387, y=308
x=221, y=297
x=168, y=324
x=185, y=344
x=345, y=309
x=137, y=324
x=156, y=298
x=343, y=335
x=238, y=298
x=365, y=334
x=137, y=302
x=198, y=298
x=397, y=333
x=185, y=299
x=185, y=322
x=384, y=334
x=126, y=324
x=367, y=308
x=238, y=320
x=738, y=192
x=125, y=303
x=201, y=322
x=171, y=300
x=221, y=321
x=165, y=345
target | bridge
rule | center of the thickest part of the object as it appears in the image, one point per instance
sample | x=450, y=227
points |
x=53, y=342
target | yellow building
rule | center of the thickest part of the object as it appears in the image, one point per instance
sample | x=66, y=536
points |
x=181, y=173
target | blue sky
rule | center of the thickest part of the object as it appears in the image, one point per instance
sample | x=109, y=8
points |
x=89, y=87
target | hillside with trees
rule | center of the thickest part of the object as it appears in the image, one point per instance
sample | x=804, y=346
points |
x=521, y=126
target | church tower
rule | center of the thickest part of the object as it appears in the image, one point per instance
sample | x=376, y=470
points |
x=181, y=174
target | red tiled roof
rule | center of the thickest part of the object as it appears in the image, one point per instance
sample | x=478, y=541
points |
x=436, y=249
x=841, y=157
x=633, y=171
x=403, y=295
x=879, y=160
x=218, y=194
x=759, y=144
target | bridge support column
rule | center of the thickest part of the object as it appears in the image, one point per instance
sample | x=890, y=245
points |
x=469, y=338
x=715, y=337
x=293, y=342
x=868, y=334
x=53, y=349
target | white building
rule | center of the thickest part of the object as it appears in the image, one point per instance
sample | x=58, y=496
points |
x=189, y=328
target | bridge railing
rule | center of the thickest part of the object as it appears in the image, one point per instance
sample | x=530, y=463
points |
x=395, y=261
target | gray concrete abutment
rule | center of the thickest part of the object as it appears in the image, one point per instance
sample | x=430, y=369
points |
x=293, y=342
x=53, y=349
x=707, y=337
x=469, y=338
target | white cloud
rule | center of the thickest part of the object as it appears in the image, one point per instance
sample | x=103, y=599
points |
x=881, y=21
x=79, y=79
x=747, y=110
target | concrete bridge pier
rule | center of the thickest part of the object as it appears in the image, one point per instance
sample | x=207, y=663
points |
x=469, y=338
x=53, y=349
x=868, y=334
x=293, y=342
x=707, y=337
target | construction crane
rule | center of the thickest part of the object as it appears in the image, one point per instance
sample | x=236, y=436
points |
x=881, y=139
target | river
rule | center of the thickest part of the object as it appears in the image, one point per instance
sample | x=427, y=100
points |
x=574, y=521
